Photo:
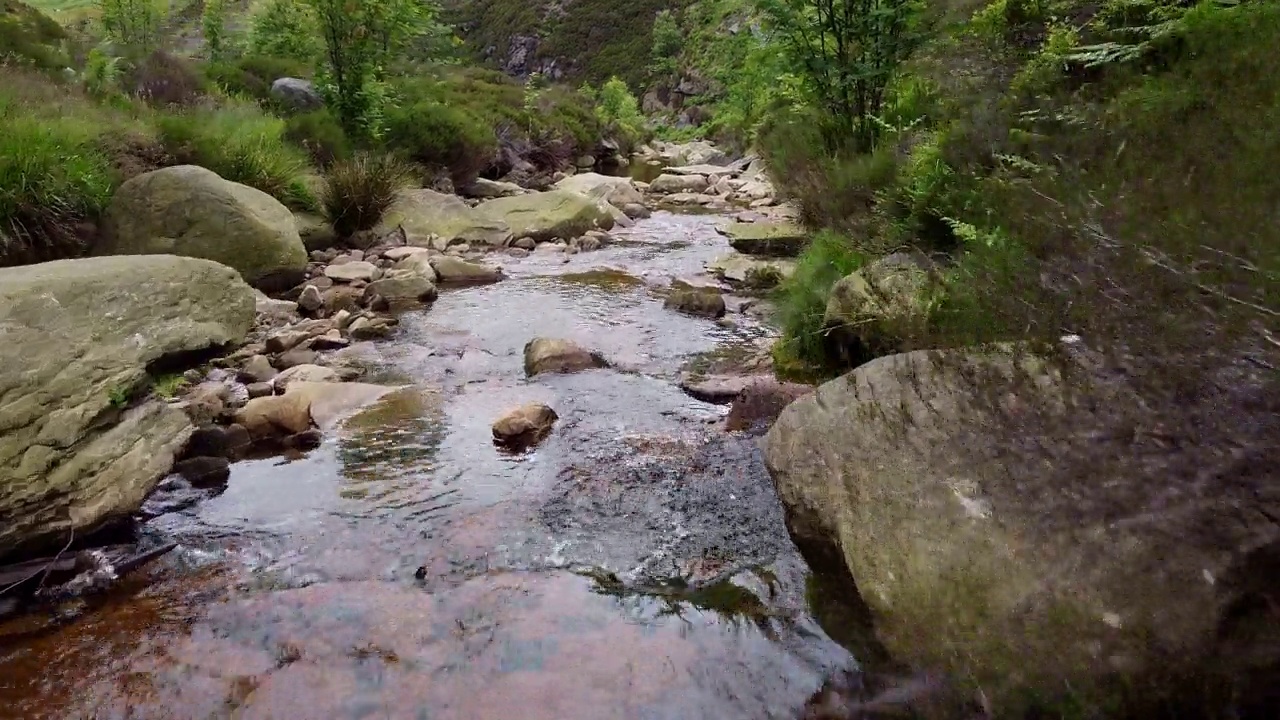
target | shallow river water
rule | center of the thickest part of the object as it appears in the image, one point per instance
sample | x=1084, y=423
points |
x=634, y=566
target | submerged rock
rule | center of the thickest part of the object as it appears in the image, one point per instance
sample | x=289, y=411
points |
x=770, y=239
x=78, y=447
x=701, y=302
x=524, y=427
x=547, y=355
x=190, y=211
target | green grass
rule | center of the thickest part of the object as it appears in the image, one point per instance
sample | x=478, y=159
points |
x=802, y=298
x=169, y=385
x=242, y=144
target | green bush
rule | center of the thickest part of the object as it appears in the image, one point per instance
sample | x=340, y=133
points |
x=443, y=137
x=244, y=145
x=52, y=178
x=802, y=298
x=358, y=191
x=287, y=30
x=162, y=79
x=320, y=134
x=252, y=75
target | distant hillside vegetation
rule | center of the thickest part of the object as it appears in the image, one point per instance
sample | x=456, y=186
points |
x=575, y=40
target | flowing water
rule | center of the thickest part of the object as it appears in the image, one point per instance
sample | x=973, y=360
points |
x=634, y=566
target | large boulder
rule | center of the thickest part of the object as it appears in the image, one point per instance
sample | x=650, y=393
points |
x=190, y=211
x=667, y=184
x=78, y=447
x=978, y=552
x=879, y=309
x=427, y=218
x=296, y=94
x=617, y=191
x=551, y=215
x=551, y=355
x=770, y=239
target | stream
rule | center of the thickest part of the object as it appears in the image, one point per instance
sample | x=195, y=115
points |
x=635, y=565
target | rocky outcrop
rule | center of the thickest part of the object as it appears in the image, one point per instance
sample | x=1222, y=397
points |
x=430, y=219
x=547, y=355
x=523, y=427
x=190, y=211
x=879, y=309
x=937, y=479
x=770, y=239
x=79, y=446
x=545, y=216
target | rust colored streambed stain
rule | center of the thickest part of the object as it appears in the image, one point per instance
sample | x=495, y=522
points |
x=529, y=645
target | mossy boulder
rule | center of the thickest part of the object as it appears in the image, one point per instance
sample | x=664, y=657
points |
x=427, y=218
x=697, y=301
x=1028, y=582
x=770, y=239
x=79, y=443
x=190, y=211
x=544, y=216
x=878, y=309
x=617, y=191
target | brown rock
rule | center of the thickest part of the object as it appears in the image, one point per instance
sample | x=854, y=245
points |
x=207, y=402
x=524, y=427
x=701, y=302
x=204, y=471
x=256, y=369
x=305, y=373
x=364, y=328
x=297, y=356
x=261, y=389
x=342, y=297
x=548, y=355
x=276, y=416
x=306, y=440
x=760, y=403
x=285, y=341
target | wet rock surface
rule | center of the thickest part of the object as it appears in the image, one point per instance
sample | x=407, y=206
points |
x=395, y=563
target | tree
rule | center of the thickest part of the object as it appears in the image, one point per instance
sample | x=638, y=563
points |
x=285, y=29
x=667, y=42
x=213, y=24
x=360, y=40
x=132, y=26
x=847, y=52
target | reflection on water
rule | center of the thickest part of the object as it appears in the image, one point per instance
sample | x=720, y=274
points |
x=407, y=569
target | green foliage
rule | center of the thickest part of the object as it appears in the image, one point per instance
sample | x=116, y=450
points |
x=29, y=37
x=118, y=396
x=443, y=137
x=619, y=112
x=102, y=72
x=132, y=26
x=358, y=191
x=213, y=24
x=668, y=41
x=802, y=298
x=167, y=386
x=594, y=39
x=320, y=134
x=285, y=29
x=1048, y=64
x=847, y=52
x=244, y=145
x=360, y=41
x=52, y=177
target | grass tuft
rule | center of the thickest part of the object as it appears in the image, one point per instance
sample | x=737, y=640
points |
x=358, y=191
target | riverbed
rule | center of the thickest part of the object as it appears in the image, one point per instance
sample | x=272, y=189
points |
x=635, y=565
